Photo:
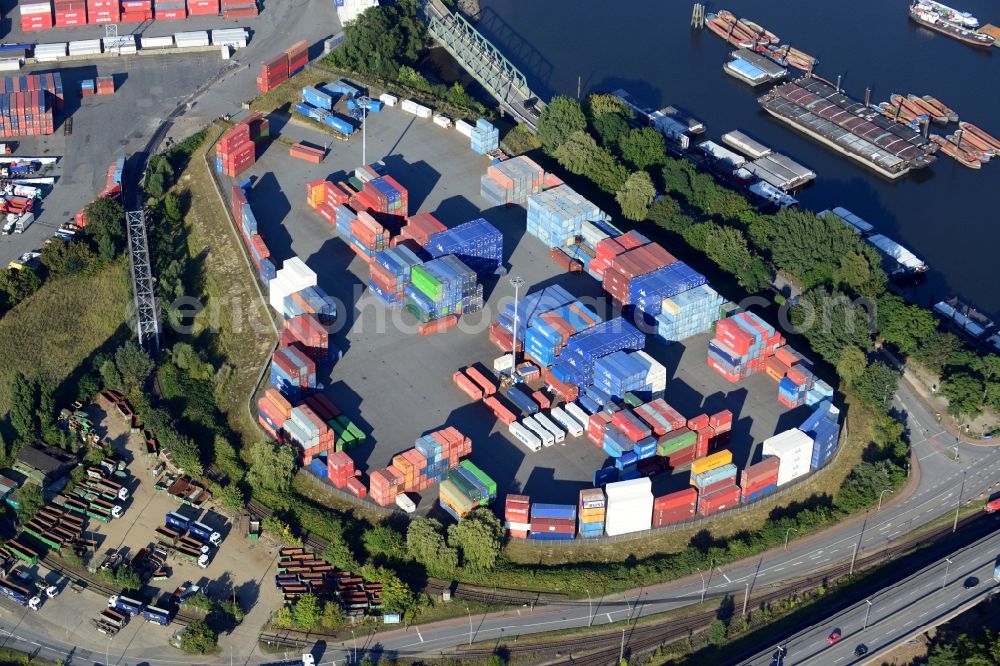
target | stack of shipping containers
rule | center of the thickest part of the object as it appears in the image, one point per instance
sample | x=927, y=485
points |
x=236, y=150
x=239, y=8
x=422, y=466
x=420, y=227
x=675, y=507
x=477, y=243
x=824, y=428
x=516, y=515
x=69, y=13
x=556, y=216
x=721, y=496
x=27, y=104
x=553, y=522
x=103, y=11
x=389, y=273
x=485, y=137
x=759, y=479
x=742, y=345
x=36, y=15
x=136, y=10
x=794, y=449
x=277, y=70
x=203, y=7
x=511, y=181
x=442, y=288
x=629, y=506
x=548, y=332
x=169, y=10
x=591, y=512
x=259, y=252
x=466, y=488
x=385, y=199
x=688, y=313
x=575, y=364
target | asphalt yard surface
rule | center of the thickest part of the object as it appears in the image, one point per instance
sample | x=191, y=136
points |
x=397, y=384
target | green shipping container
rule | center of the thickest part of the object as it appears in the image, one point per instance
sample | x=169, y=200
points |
x=631, y=400
x=450, y=491
x=669, y=446
x=490, y=484
x=429, y=285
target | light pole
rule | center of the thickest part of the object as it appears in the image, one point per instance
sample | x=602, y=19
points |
x=854, y=556
x=880, y=499
x=355, y=639
x=701, y=573
x=470, y=623
x=363, y=102
x=517, y=282
x=621, y=652
x=867, y=613
x=790, y=529
x=746, y=598
x=947, y=566
x=958, y=506
x=590, y=607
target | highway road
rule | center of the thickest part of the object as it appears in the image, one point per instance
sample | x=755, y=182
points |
x=896, y=613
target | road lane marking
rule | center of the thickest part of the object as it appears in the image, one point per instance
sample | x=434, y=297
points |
x=419, y=635
x=726, y=577
x=610, y=621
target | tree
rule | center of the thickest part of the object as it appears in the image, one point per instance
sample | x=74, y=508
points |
x=333, y=616
x=385, y=541
x=935, y=349
x=48, y=427
x=677, y=175
x=396, y=595
x=17, y=284
x=426, y=543
x=338, y=553
x=964, y=392
x=496, y=660
x=109, y=373
x=876, y=386
x=272, y=467
x=232, y=497
x=852, y=364
x=381, y=39
x=24, y=407
x=560, y=118
x=173, y=207
x=127, y=578
x=727, y=247
x=30, y=497
x=865, y=483
x=106, y=225
x=479, y=539
x=159, y=176
x=134, y=365
x=184, y=451
x=306, y=613
x=580, y=154
x=67, y=258
x=643, y=148
x=697, y=234
x=717, y=632
x=610, y=127
x=599, y=105
x=903, y=325
x=636, y=196
x=198, y=637
x=832, y=322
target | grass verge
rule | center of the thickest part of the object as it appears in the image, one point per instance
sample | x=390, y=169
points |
x=62, y=324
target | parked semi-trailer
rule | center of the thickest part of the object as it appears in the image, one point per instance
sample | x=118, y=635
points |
x=178, y=522
x=205, y=533
x=157, y=615
x=125, y=604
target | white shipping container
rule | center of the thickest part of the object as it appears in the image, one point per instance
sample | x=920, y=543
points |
x=442, y=121
x=464, y=128
x=423, y=112
x=27, y=9
x=628, y=514
x=236, y=37
x=556, y=431
x=10, y=64
x=524, y=527
x=577, y=413
x=387, y=99
x=157, y=42
x=525, y=436
x=503, y=363
x=54, y=47
x=225, y=52
x=409, y=106
x=572, y=426
x=23, y=222
x=534, y=426
x=629, y=489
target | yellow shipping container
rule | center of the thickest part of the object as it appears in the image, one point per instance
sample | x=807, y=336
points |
x=717, y=459
x=594, y=515
x=670, y=307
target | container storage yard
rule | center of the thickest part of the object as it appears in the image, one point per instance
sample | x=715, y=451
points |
x=557, y=434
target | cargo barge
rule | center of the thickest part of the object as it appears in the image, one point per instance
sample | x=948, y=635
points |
x=947, y=21
x=899, y=262
x=736, y=171
x=818, y=109
x=753, y=68
x=965, y=319
x=675, y=126
x=745, y=144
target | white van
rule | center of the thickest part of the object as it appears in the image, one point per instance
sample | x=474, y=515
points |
x=549, y=425
x=572, y=426
x=525, y=436
x=529, y=422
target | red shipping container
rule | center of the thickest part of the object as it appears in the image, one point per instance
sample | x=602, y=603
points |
x=357, y=488
x=202, y=7
x=682, y=457
x=568, y=392
x=682, y=498
x=499, y=410
x=466, y=385
x=549, y=525
x=672, y=516
x=796, y=375
x=786, y=356
x=542, y=400
x=765, y=469
x=723, y=499
x=644, y=413
x=500, y=337
x=720, y=420
x=485, y=383
x=632, y=239
x=698, y=422
x=631, y=425
x=674, y=417
x=595, y=428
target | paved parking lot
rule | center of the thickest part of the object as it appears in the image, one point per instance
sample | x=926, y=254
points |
x=398, y=384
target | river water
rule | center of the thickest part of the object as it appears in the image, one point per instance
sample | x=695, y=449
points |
x=946, y=214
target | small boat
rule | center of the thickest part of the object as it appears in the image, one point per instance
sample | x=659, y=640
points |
x=972, y=129
x=800, y=59
x=895, y=113
x=761, y=33
x=975, y=143
x=729, y=32
x=929, y=109
x=971, y=144
x=960, y=154
x=898, y=101
x=942, y=109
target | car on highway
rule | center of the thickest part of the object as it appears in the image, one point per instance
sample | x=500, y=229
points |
x=833, y=637
x=971, y=582
x=861, y=650
x=778, y=658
